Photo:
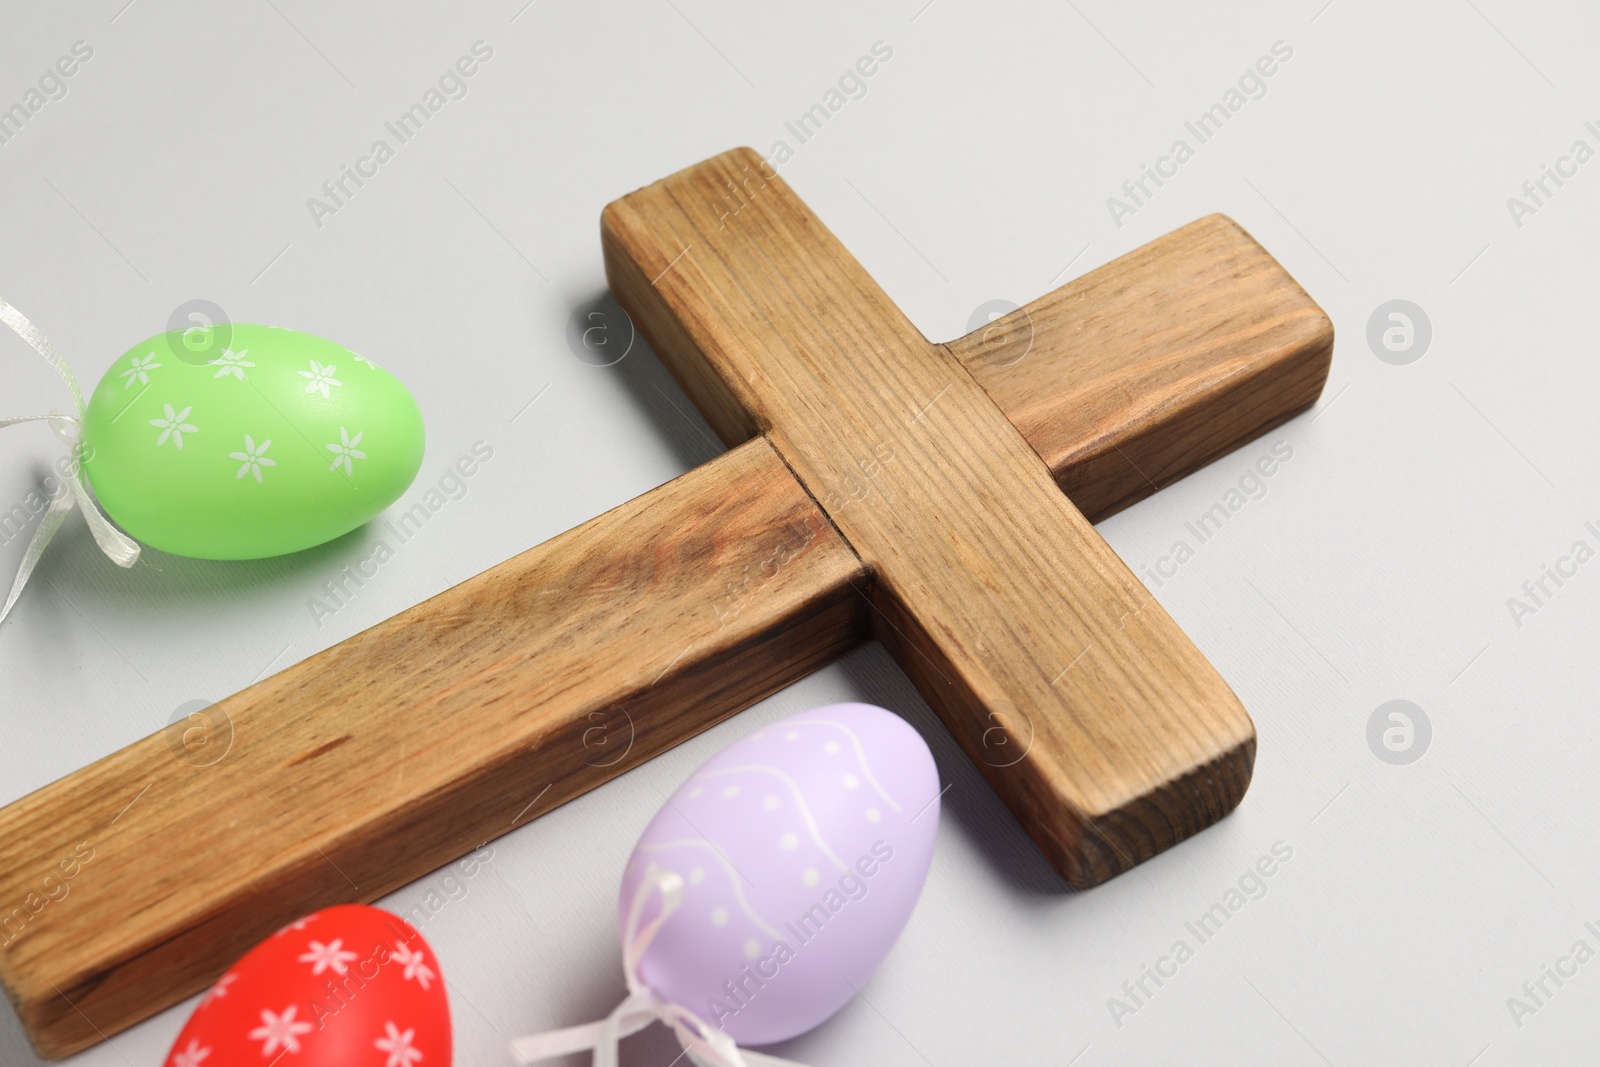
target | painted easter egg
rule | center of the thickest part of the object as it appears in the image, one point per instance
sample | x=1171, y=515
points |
x=802, y=849
x=348, y=986
x=267, y=443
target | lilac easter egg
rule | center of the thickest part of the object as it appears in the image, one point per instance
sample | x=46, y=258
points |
x=802, y=849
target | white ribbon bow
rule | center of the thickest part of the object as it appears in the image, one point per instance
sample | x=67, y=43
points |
x=69, y=492
x=706, y=1046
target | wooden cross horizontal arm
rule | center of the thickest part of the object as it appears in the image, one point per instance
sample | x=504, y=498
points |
x=382, y=758
x=375, y=761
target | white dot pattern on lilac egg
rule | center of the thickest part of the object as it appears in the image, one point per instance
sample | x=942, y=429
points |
x=803, y=848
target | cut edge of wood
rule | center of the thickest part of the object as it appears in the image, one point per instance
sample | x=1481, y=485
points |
x=1114, y=842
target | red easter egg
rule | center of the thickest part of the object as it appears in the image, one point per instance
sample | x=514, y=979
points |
x=348, y=986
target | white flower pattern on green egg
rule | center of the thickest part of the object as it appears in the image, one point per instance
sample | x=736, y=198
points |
x=321, y=378
x=261, y=450
x=139, y=368
x=231, y=362
x=173, y=426
x=253, y=458
x=346, y=450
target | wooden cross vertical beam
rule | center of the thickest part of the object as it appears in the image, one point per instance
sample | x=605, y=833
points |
x=377, y=760
x=994, y=593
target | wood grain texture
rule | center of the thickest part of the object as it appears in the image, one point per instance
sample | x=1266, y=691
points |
x=1091, y=713
x=368, y=765
x=1227, y=346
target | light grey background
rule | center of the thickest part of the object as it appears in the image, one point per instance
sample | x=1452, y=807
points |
x=1377, y=567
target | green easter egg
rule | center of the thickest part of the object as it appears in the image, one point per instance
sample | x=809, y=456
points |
x=238, y=441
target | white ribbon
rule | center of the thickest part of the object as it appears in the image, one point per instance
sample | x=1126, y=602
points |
x=69, y=492
x=706, y=1046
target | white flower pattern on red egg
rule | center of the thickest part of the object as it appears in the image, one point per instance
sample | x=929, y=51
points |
x=279, y=1031
x=398, y=1044
x=324, y=997
x=413, y=962
x=332, y=956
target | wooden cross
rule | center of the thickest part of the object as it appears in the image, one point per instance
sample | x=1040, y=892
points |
x=877, y=485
